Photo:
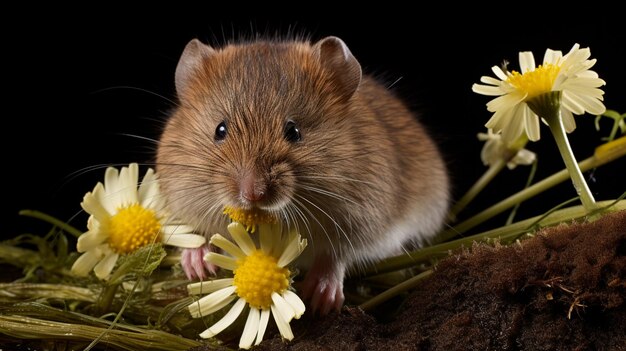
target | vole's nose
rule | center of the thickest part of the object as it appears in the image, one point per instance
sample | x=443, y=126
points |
x=252, y=188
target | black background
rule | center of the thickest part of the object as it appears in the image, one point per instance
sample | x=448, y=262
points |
x=83, y=87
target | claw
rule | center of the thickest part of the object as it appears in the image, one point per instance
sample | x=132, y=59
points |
x=323, y=286
x=194, y=265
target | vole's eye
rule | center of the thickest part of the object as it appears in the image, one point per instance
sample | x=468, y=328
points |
x=292, y=132
x=220, y=131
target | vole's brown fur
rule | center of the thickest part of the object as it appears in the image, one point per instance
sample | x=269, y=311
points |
x=364, y=179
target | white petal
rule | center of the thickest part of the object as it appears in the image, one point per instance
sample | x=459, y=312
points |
x=526, y=61
x=209, y=286
x=112, y=189
x=148, y=189
x=111, y=176
x=578, y=54
x=490, y=80
x=584, y=81
x=576, y=46
x=494, y=121
x=221, y=260
x=586, y=103
x=491, y=152
x=524, y=157
x=285, y=238
x=265, y=318
x=572, y=103
x=212, y=302
x=103, y=268
x=226, y=321
x=552, y=56
x=583, y=90
x=515, y=127
x=94, y=207
x=93, y=224
x=241, y=237
x=251, y=329
x=89, y=240
x=559, y=82
x=284, y=308
x=487, y=90
x=505, y=102
x=296, y=303
x=283, y=326
x=568, y=120
x=226, y=245
x=293, y=249
x=499, y=73
x=208, y=310
x=591, y=75
x=85, y=263
x=589, y=78
x=531, y=124
x=501, y=119
x=188, y=241
x=127, y=182
x=267, y=237
x=485, y=136
x=594, y=106
x=101, y=195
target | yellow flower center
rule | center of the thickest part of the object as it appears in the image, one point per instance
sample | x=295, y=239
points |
x=536, y=82
x=257, y=276
x=249, y=218
x=133, y=227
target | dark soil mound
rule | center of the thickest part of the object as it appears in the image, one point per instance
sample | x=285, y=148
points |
x=564, y=289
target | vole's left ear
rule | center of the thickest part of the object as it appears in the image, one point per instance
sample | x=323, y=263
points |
x=335, y=56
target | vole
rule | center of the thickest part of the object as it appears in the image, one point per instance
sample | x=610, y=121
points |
x=295, y=128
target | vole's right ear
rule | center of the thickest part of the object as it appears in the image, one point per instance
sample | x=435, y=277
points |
x=337, y=58
x=190, y=61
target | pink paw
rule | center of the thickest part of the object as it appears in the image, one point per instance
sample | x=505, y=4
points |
x=323, y=287
x=194, y=265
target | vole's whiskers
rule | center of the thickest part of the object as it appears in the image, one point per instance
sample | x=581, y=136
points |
x=339, y=230
x=143, y=90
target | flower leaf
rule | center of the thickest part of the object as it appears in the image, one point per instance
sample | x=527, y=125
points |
x=618, y=123
x=141, y=263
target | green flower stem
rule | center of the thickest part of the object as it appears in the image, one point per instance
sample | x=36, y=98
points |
x=503, y=234
x=548, y=106
x=18, y=292
x=396, y=290
x=36, y=321
x=529, y=181
x=480, y=184
x=55, y=222
x=105, y=299
x=582, y=189
x=604, y=154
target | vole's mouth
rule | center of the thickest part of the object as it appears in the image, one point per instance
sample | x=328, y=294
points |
x=275, y=205
x=269, y=200
x=263, y=188
x=250, y=218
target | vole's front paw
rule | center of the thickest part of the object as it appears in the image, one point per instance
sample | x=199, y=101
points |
x=323, y=287
x=194, y=265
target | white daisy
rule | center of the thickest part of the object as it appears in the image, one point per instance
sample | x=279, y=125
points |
x=261, y=280
x=567, y=74
x=494, y=150
x=125, y=217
